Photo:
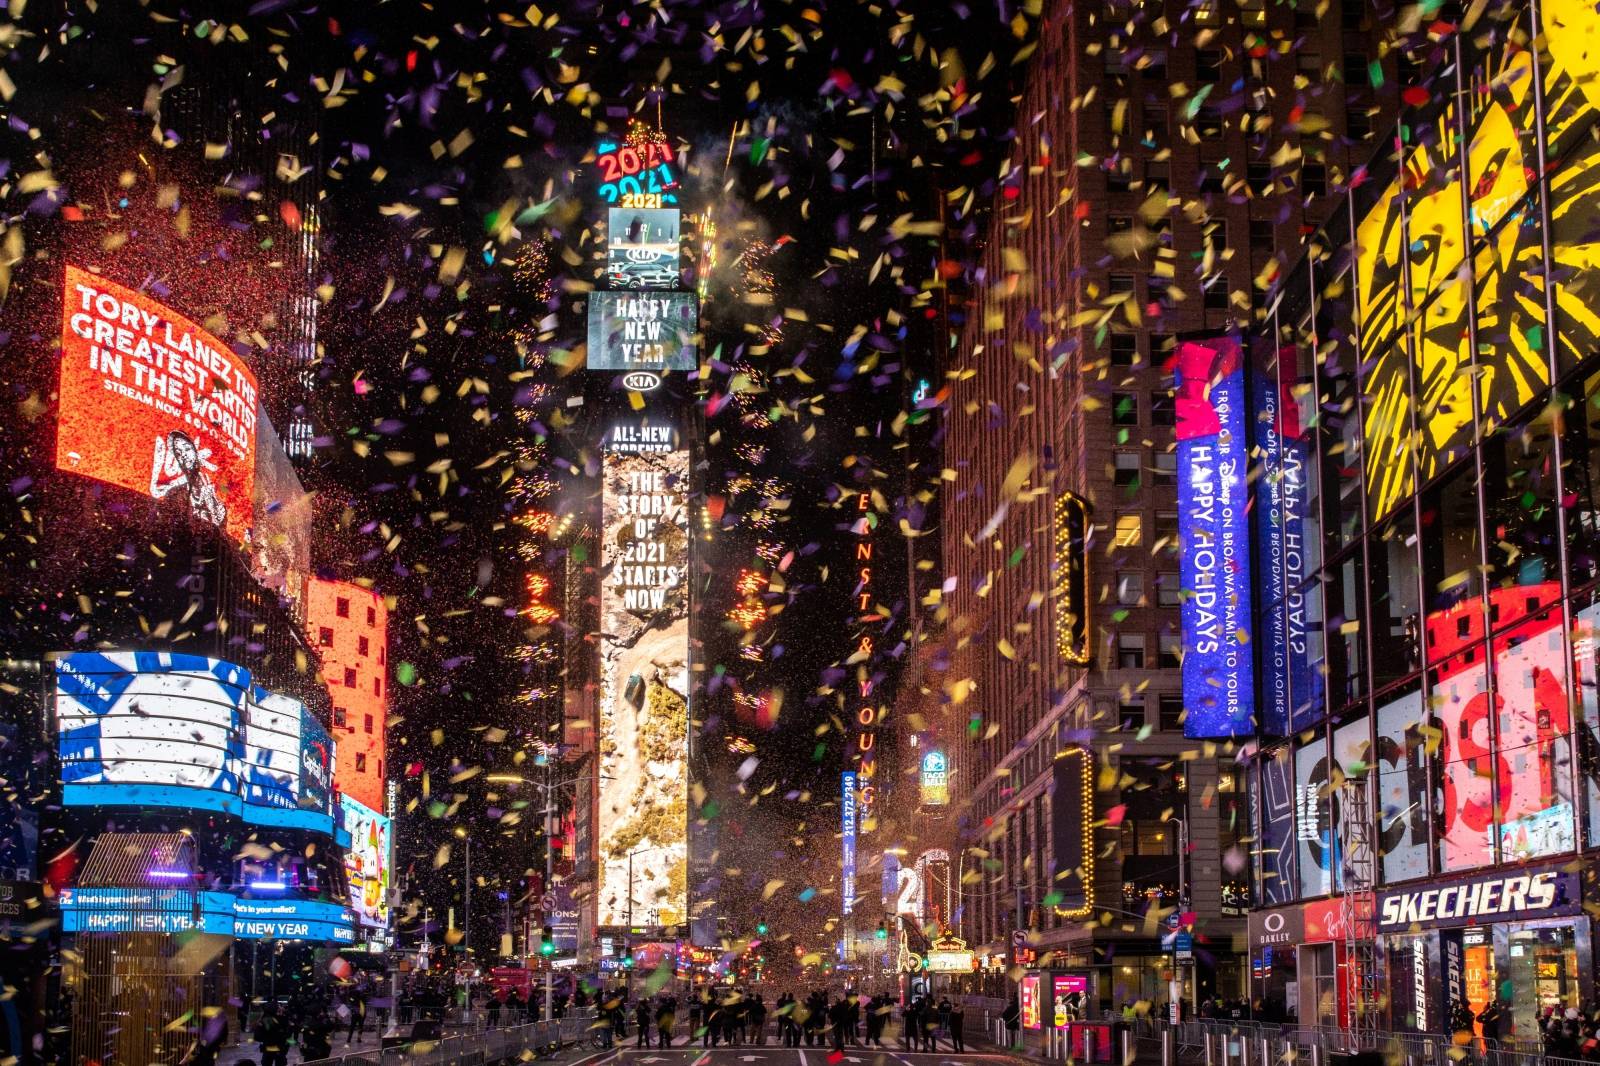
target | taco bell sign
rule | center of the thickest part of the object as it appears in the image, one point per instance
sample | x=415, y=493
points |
x=1214, y=531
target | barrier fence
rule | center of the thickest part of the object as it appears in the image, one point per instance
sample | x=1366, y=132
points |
x=1213, y=1042
x=476, y=1047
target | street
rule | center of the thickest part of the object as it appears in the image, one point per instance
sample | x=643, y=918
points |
x=780, y=1056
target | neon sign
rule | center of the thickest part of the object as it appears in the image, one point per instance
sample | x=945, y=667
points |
x=642, y=175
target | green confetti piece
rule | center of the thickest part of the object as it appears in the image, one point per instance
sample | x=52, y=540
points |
x=1535, y=336
x=406, y=674
x=1015, y=557
x=1375, y=74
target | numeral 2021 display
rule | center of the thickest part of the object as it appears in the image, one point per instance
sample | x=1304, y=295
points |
x=638, y=176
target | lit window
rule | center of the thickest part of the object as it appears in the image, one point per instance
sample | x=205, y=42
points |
x=1130, y=531
x=325, y=636
x=361, y=762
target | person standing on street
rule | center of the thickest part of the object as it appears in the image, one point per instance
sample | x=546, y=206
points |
x=666, y=1018
x=273, y=1037
x=641, y=1018
x=957, y=1020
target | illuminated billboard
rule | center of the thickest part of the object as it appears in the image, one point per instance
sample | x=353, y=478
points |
x=642, y=248
x=643, y=331
x=644, y=662
x=367, y=862
x=848, y=828
x=170, y=910
x=639, y=173
x=1073, y=639
x=151, y=402
x=935, y=779
x=1213, y=527
x=349, y=625
x=160, y=729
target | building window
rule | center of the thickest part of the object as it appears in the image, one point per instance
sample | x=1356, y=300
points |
x=1130, y=530
x=1159, y=289
x=1171, y=651
x=1124, y=349
x=1162, y=345
x=1166, y=472
x=1120, y=177
x=1166, y=532
x=361, y=762
x=1158, y=175
x=1208, y=123
x=1155, y=64
x=1309, y=64
x=1259, y=177
x=1120, y=283
x=362, y=645
x=1130, y=651
x=1216, y=294
x=349, y=678
x=368, y=723
x=338, y=716
x=1119, y=223
x=1130, y=714
x=1163, y=410
x=1126, y=472
x=372, y=616
x=1168, y=587
x=325, y=636
x=1124, y=409
x=1208, y=64
x=1130, y=588
x=341, y=607
x=1314, y=179
x=1170, y=709
x=1358, y=121
x=1262, y=234
x=1352, y=13
x=1355, y=69
x=377, y=686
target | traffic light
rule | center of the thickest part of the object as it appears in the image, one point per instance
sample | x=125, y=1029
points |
x=883, y=931
x=761, y=928
x=627, y=960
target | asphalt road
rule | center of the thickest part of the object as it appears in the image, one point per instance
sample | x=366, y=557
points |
x=747, y=1055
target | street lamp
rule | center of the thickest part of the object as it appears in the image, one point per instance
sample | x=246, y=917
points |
x=627, y=940
x=1182, y=965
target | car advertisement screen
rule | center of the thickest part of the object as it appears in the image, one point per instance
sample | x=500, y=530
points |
x=642, y=248
x=644, y=699
x=161, y=729
x=643, y=331
x=1214, y=529
x=153, y=403
x=367, y=862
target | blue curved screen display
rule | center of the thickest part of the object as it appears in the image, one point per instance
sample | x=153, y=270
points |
x=161, y=729
x=171, y=910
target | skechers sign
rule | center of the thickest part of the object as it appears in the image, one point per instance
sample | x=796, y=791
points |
x=1542, y=892
x=1213, y=526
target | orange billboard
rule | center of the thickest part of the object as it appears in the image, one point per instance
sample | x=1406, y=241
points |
x=153, y=403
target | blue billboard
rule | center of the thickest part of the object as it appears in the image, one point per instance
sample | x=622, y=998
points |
x=1214, y=531
x=172, y=910
x=847, y=838
x=162, y=729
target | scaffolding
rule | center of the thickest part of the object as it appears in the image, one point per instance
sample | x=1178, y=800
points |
x=1358, y=868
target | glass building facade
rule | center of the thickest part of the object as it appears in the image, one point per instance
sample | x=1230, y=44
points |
x=1428, y=505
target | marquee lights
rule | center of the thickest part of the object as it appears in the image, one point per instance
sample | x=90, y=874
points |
x=1085, y=826
x=866, y=717
x=1073, y=638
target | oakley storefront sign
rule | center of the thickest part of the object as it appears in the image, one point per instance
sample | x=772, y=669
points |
x=1530, y=892
x=1285, y=925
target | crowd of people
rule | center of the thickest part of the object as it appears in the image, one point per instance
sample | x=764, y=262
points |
x=737, y=1017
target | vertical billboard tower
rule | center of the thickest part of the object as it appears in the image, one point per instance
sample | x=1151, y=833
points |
x=642, y=331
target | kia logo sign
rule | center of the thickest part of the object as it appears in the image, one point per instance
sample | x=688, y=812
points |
x=641, y=380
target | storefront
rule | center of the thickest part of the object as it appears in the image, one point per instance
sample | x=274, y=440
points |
x=1517, y=934
x=1298, y=962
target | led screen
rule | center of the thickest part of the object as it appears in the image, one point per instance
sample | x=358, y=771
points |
x=1466, y=797
x=1533, y=736
x=1274, y=800
x=642, y=248
x=644, y=707
x=367, y=862
x=640, y=173
x=1402, y=788
x=847, y=841
x=145, y=910
x=642, y=331
x=1313, y=828
x=153, y=403
x=161, y=729
x=1213, y=526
